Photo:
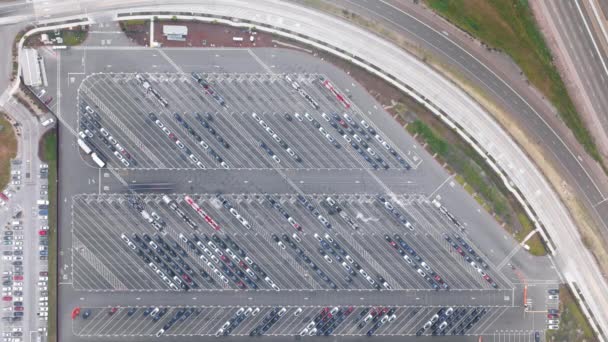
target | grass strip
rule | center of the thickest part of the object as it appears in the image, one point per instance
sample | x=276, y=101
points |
x=573, y=325
x=476, y=177
x=509, y=26
x=8, y=150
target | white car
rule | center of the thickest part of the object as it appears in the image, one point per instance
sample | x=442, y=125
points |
x=296, y=237
x=298, y=312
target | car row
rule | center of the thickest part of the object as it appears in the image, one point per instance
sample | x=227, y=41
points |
x=303, y=93
x=278, y=140
x=553, y=314
x=149, y=89
x=395, y=212
x=91, y=127
x=174, y=206
x=416, y=262
x=276, y=205
x=450, y=321
x=208, y=89
x=174, y=138
x=470, y=256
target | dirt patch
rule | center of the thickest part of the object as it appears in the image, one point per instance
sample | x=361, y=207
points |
x=136, y=30
x=200, y=34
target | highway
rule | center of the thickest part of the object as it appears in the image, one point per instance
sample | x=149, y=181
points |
x=443, y=94
x=582, y=46
x=508, y=89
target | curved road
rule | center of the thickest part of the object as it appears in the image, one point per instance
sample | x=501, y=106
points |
x=510, y=91
x=578, y=265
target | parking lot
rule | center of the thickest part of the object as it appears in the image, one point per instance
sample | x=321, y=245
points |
x=303, y=220
x=249, y=121
x=262, y=241
x=283, y=321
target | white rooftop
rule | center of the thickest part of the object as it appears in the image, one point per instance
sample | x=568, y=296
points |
x=175, y=30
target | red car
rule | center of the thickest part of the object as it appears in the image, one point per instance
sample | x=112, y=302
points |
x=393, y=243
x=7, y=298
x=224, y=258
x=44, y=273
x=551, y=316
x=241, y=285
x=18, y=308
x=112, y=311
x=460, y=251
x=187, y=278
x=3, y=196
x=18, y=277
x=48, y=101
x=42, y=232
x=75, y=312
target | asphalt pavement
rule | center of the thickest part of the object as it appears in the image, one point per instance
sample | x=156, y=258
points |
x=100, y=191
x=75, y=8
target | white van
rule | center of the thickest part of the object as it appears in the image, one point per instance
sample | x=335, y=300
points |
x=48, y=122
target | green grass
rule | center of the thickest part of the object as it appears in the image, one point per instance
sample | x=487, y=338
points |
x=573, y=325
x=74, y=37
x=434, y=142
x=48, y=147
x=472, y=173
x=134, y=22
x=508, y=25
x=537, y=247
x=8, y=150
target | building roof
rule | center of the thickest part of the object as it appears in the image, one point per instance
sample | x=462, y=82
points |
x=30, y=67
x=175, y=30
